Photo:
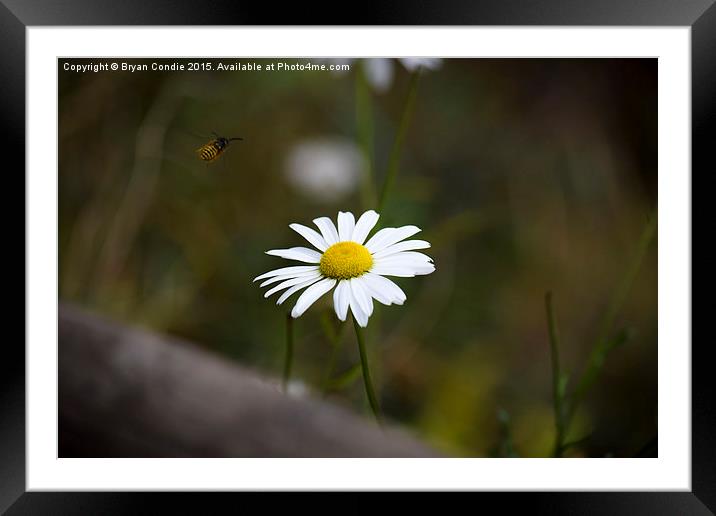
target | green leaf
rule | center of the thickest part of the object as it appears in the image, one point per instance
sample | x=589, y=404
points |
x=562, y=385
x=328, y=328
x=345, y=379
x=622, y=338
x=576, y=442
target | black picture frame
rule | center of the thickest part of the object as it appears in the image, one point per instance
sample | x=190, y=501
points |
x=17, y=15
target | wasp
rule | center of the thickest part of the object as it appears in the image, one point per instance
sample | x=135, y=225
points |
x=213, y=149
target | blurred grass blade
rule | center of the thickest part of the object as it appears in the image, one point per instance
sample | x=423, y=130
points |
x=562, y=386
x=288, y=361
x=365, y=129
x=604, y=342
x=622, y=338
x=336, y=344
x=344, y=380
x=559, y=380
x=506, y=447
x=576, y=442
x=328, y=329
x=395, y=153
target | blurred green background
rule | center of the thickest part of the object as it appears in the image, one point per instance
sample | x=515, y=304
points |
x=525, y=175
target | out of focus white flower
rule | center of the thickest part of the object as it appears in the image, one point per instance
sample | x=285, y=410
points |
x=297, y=389
x=429, y=63
x=379, y=71
x=328, y=169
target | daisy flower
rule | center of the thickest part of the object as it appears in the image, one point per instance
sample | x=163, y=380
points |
x=345, y=260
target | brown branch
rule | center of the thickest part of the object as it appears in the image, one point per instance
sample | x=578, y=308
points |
x=125, y=392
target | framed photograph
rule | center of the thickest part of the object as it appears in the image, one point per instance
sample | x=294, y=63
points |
x=450, y=255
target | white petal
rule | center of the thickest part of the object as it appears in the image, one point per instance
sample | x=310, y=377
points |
x=407, y=245
x=393, y=271
x=287, y=270
x=313, y=237
x=396, y=292
x=328, y=229
x=403, y=271
x=346, y=223
x=365, y=223
x=341, y=299
x=310, y=295
x=424, y=270
x=290, y=283
x=390, y=236
x=301, y=254
x=377, y=292
x=358, y=314
x=404, y=258
x=386, y=287
x=295, y=289
x=361, y=295
x=379, y=237
x=282, y=277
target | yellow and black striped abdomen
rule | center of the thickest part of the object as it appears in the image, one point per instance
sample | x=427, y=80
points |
x=210, y=151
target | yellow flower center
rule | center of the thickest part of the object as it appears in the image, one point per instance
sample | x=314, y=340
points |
x=345, y=260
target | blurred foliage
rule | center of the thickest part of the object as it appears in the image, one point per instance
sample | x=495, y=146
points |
x=526, y=175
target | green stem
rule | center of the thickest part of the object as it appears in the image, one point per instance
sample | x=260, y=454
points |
x=372, y=400
x=506, y=448
x=364, y=123
x=288, y=362
x=334, y=358
x=394, y=160
x=604, y=342
x=557, y=390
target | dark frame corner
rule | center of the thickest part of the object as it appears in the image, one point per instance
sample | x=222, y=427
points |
x=700, y=15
